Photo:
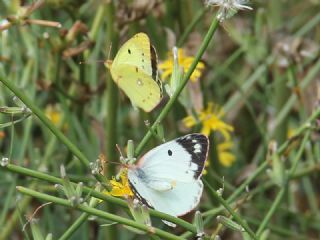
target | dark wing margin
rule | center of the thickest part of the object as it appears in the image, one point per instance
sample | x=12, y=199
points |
x=197, y=145
x=138, y=196
x=154, y=67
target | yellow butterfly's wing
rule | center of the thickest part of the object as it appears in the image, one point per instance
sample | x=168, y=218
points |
x=135, y=63
x=142, y=90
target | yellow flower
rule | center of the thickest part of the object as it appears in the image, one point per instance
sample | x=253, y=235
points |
x=121, y=188
x=211, y=121
x=2, y=134
x=226, y=158
x=54, y=114
x=184, y=61
x=291, y=132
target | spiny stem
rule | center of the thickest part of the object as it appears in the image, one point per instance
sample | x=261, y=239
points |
x=284, y=188
x=230, y=210
x=55, y=180
x=98, y=213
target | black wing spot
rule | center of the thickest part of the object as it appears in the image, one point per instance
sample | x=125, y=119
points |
x=137, y=69
x=169, y=152
x=129, y=51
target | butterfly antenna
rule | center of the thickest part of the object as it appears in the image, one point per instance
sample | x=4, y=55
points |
x=89, y=62
x=120, y=152
x=113, y=162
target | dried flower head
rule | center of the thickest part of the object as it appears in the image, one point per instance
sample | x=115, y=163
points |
x=2, y=134
x=227, y=8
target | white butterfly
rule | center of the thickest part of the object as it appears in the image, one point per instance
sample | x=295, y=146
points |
x=167, y=178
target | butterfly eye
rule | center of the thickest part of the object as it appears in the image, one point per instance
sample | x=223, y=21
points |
x=129, y=51
x=169, y=152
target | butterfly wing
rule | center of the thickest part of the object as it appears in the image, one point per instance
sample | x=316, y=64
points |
x=167, y=178
x=183, y=198
x=134, y=69
x=138, y=52
x=181, y=159
x=141, y=89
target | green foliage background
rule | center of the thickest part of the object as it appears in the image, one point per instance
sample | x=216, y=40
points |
x=262, y=67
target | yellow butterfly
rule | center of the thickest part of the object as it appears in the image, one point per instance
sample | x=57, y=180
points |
x=134, y=70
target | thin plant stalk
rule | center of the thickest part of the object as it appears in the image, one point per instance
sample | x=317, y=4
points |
x=37, y=111
x=284, y=188
x=230, y=210
x=98, y=213
x=102, y=196
x=213, y=27
x=112, y=109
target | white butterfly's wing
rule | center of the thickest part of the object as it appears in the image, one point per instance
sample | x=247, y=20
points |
x=167, y=178
x=181, y=159
x=178, y=201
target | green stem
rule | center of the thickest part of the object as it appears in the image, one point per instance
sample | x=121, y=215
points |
x=247, y=86
x=169, y=105
x=98, y=213
x=230, y=210
x=284, y=232
x=112, y=94
x=11, y=222
x=45, y=120
x=308, y=26
x=312, y=73
x=265, y=164
x=97, y=22
x=190, y=27
x=84, y=216
x=284, y=188
x=281, y=94
x=112, y=107
x=42, y=176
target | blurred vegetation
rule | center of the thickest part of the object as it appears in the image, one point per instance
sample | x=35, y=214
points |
x=261, y=74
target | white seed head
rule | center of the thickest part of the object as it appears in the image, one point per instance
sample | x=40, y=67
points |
x=4, y=161
x=227, y=8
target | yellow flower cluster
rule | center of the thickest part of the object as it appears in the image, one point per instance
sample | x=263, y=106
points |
x=211, y=120
x=184, y=62
x=121, y=188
